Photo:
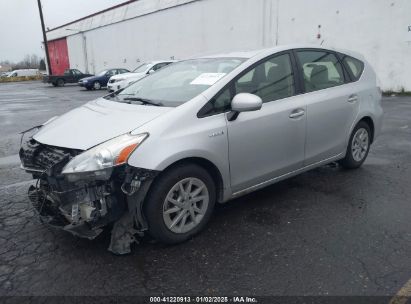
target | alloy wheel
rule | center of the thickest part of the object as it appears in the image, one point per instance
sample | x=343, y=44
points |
x=360, y=144
x=97, y=85
x=185, y=205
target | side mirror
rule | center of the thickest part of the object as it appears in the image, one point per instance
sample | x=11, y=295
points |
x=244, y=102
x=151, y=72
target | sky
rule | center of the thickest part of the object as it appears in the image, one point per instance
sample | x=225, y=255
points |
x=20, y=28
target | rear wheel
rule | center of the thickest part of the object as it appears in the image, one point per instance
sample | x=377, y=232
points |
x=54, y=84
x=358, y=146
x=61, y=82
x=180, y=204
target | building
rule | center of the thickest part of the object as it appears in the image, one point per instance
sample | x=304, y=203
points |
x=139, y=30
x=5, y=68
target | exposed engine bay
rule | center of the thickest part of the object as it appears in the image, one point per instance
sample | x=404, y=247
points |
x=86, y=205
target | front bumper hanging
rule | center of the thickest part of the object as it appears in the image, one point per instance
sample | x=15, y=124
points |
x=84, y=208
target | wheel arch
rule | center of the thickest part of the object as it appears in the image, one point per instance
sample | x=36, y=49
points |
x=207, y=165
x=369, y=121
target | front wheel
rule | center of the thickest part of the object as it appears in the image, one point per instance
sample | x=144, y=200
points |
x=96, y=85
x=358, y=146
x=180, y=203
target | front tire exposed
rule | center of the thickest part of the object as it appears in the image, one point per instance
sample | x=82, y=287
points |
x=358, y=146
x=180, y=203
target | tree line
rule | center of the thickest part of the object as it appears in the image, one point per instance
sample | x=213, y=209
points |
x=29, y=62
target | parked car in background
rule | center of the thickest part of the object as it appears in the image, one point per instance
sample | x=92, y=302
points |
x=101, y=79
x=23, y=72
x=159, y=154
x=69, y=76
x=121, y=81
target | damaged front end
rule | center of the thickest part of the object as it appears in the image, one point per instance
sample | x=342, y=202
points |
x=84, y=202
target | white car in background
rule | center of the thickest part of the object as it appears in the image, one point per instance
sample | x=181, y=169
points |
x=118, y=82
x=23, y=72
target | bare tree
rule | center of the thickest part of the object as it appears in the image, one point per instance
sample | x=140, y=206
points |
x=26, y=61
x=34, y=61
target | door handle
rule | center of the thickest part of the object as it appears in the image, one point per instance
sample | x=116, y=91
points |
x=297, y=113
x=352, y=98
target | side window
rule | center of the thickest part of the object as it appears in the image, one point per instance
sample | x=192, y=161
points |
x=355, y=67
x=111, y=73
x=271, y=80
x=158, y=66
x=218, y=104
x=321, y=70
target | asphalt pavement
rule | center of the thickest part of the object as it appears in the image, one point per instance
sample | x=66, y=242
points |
x=326, y=232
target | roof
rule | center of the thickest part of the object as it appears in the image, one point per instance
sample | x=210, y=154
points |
x=92, y=15
x=253, y=53
x=125, y=11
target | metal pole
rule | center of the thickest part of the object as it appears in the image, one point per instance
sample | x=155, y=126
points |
x=46, y=47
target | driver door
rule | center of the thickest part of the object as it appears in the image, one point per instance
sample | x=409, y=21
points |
x=267, y=143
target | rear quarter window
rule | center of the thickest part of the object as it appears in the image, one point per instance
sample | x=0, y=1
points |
x=354, y=66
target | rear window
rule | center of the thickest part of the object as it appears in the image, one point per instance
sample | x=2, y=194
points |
x=355, y=67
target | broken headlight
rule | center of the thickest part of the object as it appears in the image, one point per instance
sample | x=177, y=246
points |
x=98, y=162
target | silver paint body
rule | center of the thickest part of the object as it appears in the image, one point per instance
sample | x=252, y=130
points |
x=282, y=139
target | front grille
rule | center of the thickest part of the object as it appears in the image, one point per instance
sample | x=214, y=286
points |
x=39, y=157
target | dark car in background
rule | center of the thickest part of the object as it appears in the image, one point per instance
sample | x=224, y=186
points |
x=69, y=76
x=101, y=79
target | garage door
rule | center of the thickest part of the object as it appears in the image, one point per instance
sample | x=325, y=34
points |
x=59, y=59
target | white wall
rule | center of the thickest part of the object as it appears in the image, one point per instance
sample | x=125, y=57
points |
x=375, y=28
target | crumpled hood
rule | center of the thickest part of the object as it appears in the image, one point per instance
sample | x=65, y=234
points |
x=96, y=122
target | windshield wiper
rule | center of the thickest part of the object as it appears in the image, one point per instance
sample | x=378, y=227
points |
x=143, y=101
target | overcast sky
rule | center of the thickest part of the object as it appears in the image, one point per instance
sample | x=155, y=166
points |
x=20, y=29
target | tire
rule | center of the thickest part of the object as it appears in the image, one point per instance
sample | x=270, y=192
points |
x=167, y=185
x=61, y=82
x=357, y=153
x=96, y=85
x=54, y=84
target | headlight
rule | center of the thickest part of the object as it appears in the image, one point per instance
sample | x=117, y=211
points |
x=85, y=81
x=100, y=160
x=118, y=80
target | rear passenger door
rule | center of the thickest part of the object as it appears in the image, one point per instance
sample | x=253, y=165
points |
x=332, y=105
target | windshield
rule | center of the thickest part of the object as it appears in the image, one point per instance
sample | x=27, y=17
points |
x=177, y=83
x=102, y=73
x=142, y=68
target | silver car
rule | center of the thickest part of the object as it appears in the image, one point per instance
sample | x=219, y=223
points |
x=157, y=156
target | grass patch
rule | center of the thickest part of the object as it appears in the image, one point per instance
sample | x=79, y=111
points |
x=392, y=93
